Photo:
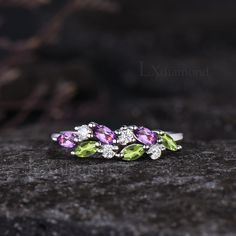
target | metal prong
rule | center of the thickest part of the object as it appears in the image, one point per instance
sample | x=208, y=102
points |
x=134, y=127
x=76, y=127
x=115, y=148
x=162, y=147
x=114, y=141
x=159, y=141
x=92, y=124
x=90, y=135
x=160, y=132
x=124, y=127
x=119, y=155
x=54, y=137
x=146, y=147
x=179, y=147
x=72, y=153
x=98, y=145
x=76, y=140
x=118, y=142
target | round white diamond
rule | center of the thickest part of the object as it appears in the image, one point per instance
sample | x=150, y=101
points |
x=126, y=136
x=83, y=132
x=107, y=151
x=154, y=152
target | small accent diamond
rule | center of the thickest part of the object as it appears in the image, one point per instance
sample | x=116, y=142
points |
x=83, y=132
x=126, y=136
x=154, y=151
x=107, y=151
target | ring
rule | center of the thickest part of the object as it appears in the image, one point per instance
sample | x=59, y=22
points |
x=127, y=143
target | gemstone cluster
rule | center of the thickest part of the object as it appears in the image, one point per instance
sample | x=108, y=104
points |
x=127, y=143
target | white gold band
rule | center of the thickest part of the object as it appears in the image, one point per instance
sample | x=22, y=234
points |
x=175, y=136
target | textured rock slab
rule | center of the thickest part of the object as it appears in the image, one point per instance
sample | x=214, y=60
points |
x=43, y=191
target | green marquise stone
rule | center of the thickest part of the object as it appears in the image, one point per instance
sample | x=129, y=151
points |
x=169, y=142
x=86, y=149
x=132, y=152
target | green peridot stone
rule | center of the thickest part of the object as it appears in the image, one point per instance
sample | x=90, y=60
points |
x=132, y=152
x=86, y=149
x=169, y=142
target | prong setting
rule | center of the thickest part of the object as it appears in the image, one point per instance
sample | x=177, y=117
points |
x=160, y=132
x=179, y=147
x=119, y=155
x=98, y=144
x=76, y=140
x=133, y=127
x=90, y=135
x=92, y=124
x=146, y=147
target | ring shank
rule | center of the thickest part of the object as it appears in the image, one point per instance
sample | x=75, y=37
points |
x=176, y=136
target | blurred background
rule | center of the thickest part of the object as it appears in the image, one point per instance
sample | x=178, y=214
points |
x=163, y=64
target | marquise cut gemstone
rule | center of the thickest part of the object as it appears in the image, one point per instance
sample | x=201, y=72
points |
x=132, y=152
x=104, y=134
x=66, y=139
x=86, y=149
x=169, y=142
x=145, y=136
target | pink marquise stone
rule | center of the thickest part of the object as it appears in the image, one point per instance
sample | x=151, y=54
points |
x=66, y=139
x=145, y=136
x=104, y=134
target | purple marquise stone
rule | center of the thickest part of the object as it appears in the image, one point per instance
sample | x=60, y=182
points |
x=145, y=136
x=66, y=139
x=104, y=134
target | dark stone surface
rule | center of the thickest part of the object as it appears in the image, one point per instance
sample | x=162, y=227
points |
x=43, y=191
